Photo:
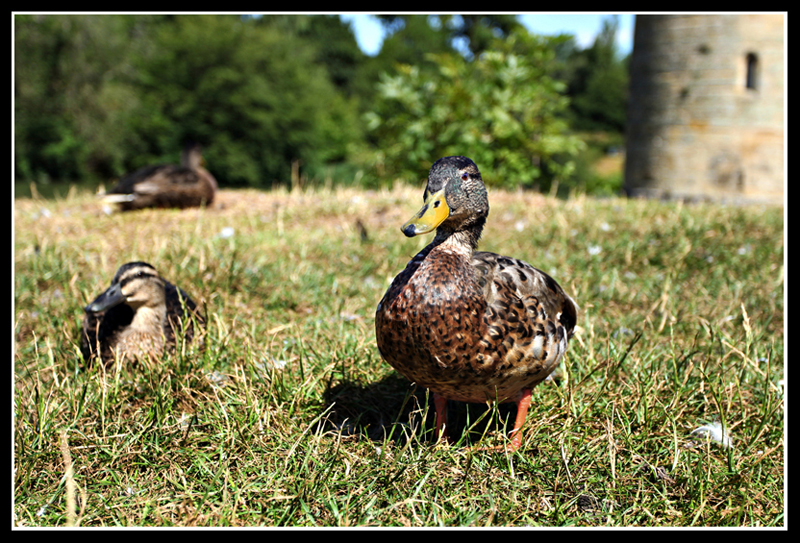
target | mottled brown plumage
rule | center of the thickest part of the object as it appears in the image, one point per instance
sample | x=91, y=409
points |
x=470, y=326
x=138, y=316
x=166, y=185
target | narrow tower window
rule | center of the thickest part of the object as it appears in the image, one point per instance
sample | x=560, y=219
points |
x=751, y=81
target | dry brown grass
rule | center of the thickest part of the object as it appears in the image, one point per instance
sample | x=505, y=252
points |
x=288, y=417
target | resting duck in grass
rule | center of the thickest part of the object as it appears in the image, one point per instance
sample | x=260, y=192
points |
x=140, y=315
x=166, y=185
x=470, y=326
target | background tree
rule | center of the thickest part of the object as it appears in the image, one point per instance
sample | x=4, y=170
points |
x=105, y=94
x=96, y=96
x=254, y=94
x=410, y=38
x=478, y=33
x=70, y=94
x=333, y=40
x=503, y=107
x=598, y=82
x=407, y=40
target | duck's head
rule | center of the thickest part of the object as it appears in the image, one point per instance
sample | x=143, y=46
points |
x=136, y=284
x=455, y=199
x=192, y=158
x=192, y=155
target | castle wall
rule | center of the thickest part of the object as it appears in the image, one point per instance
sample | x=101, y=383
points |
x=697, y=126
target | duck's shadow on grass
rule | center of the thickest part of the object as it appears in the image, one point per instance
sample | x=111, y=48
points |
x=397, y=410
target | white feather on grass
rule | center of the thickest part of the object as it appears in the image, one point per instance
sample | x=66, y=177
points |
x=715, y=432
x=116, y=198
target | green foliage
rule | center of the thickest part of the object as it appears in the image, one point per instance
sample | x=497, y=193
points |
x=411, y=39
x=599, y=169
x=278, y=97
x=333, y=40
x=69, y=95
x=503, y=110
x=481, y=32
x=597, y=81
x=254, y=94
x=412, y=36
x=120, y=92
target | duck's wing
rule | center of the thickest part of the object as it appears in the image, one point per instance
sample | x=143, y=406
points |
x=181, y=311
x=508, y=282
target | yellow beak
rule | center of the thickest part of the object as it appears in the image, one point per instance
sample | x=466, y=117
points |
x=433, y=213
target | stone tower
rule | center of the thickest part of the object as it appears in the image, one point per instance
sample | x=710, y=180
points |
x=706, y=109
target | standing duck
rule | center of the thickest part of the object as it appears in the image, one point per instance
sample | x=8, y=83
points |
x=167, y=185
x=139, y=315
x=470, y=326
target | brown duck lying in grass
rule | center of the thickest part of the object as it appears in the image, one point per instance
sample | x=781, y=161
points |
x=470, y=326
x=138, y=316
x=166, y=185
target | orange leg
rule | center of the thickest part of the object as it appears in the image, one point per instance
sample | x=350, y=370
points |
x=523, y=403
x=440, y=402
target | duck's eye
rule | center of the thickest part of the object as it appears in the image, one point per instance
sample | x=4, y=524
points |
x=464, y=176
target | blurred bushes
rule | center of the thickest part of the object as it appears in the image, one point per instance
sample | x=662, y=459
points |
x=283, y=98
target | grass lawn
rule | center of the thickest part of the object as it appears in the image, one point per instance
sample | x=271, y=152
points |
x=287, y=416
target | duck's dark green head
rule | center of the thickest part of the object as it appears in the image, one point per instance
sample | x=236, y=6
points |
x=455, y=198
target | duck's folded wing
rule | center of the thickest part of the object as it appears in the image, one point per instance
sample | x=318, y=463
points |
x=507, y=281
